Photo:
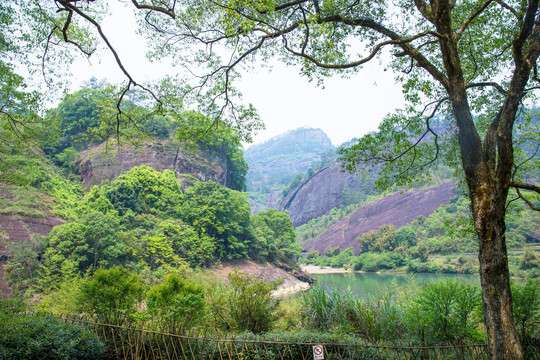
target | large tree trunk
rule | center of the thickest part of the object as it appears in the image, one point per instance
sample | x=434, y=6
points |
x=503, y=342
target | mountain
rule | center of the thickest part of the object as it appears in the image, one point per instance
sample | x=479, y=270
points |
x=276, y=162
x=397, y=209
x=26, y=212
x=324, y=190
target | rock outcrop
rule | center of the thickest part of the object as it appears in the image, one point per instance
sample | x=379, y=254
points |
x=16, y=229
x=397, y=209
x=96, y=166
x=319, y=193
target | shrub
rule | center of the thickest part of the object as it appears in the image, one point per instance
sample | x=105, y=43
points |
x=111, y=295
x=526, y=305
x=246, y=304
x=41, y=336
x=176, y=305
x=446, y=312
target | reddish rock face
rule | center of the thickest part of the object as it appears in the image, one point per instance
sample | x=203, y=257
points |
x=95, y=166
x=19, y=229
x=318, y=194
x=396, y=209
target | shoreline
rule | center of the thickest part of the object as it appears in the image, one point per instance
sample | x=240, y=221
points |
x=314, y=269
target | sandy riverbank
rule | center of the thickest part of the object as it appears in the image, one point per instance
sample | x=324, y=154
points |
x=268, y=272
x=313, y=269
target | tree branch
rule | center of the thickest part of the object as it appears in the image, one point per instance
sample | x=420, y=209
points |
x=169, y=12
x=424, y=9
x=493, y=84
x=471, y=18
x=520, y=185
x=527, y=201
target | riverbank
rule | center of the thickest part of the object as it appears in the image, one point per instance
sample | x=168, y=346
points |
x=269, y=272
x=314, y=269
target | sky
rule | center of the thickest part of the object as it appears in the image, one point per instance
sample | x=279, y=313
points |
x=343, y=109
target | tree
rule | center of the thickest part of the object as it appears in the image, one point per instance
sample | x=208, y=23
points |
x=381, y=240
x=201, y=132
x=446, y=312
x=220, y=213
x=21, y=127
x=276, y=238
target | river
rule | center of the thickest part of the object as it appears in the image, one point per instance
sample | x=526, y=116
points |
x=373, y=284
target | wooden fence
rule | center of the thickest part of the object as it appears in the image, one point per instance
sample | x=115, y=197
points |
x=133, y=344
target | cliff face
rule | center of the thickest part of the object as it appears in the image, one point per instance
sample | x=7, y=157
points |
x=396, y=209
x=159, y=155
x=318, y=194
x=275, y=163
x=16, y=229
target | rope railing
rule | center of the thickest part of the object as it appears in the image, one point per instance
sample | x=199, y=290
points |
x=130, y=343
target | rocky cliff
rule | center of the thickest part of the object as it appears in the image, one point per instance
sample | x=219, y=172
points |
x=275, y=163
x=96, y=166
x=16, y=228
x=319, y=193
x=397, y=209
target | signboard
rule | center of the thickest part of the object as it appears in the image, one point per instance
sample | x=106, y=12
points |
x=318, y=352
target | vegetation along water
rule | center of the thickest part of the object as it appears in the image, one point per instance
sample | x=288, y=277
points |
x=373, y=284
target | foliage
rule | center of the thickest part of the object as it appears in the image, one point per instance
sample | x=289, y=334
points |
x=446, y=313
x=245, y=305
x=216, y=137
x=375, y=262
x=41, y=336
x=275, y=237
x=526, y=305
x=220, y=213
x=292, y=185
x=375, y=319
x=176, y=305
x=67, y=252
x=23, y=264
x=145, y=190
x=111, y=295
x=383, y=240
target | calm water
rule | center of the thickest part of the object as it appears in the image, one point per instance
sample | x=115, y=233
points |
x=376, y=284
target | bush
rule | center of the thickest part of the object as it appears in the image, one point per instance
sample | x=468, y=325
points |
x=526, y=305
x=446, y=312
x=176, y=305
x=111, y=295
x=372, y=262
x=245, y=305
x=43, y=337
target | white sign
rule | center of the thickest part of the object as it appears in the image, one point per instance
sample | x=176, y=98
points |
x=318, y=352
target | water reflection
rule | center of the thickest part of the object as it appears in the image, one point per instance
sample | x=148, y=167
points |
x=377, y=284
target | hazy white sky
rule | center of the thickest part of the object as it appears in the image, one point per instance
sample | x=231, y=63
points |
x=344, y=109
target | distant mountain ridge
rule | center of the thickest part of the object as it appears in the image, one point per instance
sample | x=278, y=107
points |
x=274, y=163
